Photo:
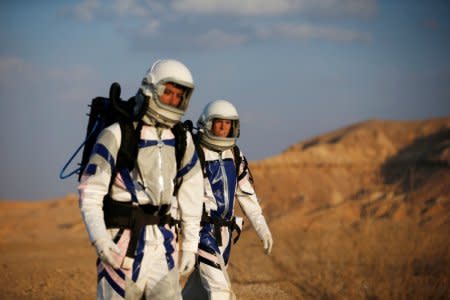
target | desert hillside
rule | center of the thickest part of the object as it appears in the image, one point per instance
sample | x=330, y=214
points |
x=362, y=212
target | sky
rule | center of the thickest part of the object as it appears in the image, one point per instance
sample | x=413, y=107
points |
x=294, y=69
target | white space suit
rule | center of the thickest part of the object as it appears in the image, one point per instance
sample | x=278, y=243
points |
x=224, y=183
x=150, y=271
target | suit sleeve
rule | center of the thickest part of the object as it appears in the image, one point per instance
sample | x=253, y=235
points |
x=190, y=198
x=248, y=199
x=94, y=184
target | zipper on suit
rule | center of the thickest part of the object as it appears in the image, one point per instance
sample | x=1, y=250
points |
x=225, y=186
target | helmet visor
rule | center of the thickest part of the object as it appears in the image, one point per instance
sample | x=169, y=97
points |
x=223, y=128
x=173, y=96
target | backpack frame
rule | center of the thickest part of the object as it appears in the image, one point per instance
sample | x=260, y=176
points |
x=106, y=111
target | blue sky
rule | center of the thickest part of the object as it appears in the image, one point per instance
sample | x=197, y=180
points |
x=293, y=68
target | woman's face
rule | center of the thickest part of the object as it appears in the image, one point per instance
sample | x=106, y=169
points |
x=221, y=127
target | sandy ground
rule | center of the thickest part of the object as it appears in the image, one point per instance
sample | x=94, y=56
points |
x=359, y=226
x=46, y=255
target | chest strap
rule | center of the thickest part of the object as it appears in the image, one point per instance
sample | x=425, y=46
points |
x=125, y=215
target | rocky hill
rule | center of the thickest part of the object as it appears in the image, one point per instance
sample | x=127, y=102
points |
x=401, y=158
x=362, y=212
x=359, y=213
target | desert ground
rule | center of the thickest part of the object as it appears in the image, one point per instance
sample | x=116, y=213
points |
x=362, y=212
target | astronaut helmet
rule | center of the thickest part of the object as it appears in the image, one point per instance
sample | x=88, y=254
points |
x=164, y=73
x=218, y=111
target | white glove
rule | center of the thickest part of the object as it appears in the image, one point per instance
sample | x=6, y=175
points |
x=108, y=252
x=260, y=225
x=268, y=243
x=187, y=262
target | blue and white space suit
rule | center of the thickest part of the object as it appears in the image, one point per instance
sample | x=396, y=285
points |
x=227, y=180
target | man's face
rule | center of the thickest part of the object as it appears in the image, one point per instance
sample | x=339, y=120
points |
x=172, y=95
x=221, y=127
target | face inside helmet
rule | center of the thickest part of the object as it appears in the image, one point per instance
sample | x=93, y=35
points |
x=218, y=125
x=168, y=86
x=174, y=95
x=223, y=128
x=169, y=95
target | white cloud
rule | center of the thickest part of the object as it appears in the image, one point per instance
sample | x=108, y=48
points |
x=151, y=28
x=170, y=22
x=19, y=77
x=236, y=7
x=86, y=10
x=11, y=64
x=12, y=72
x=276, y=8
x=308, y=31
x=216, y=39
x=173, y=9
x=74, y=82
x=72, y=73
x=126, y=8
x=356, y=7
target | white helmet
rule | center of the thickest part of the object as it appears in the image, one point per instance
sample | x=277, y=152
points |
x=152, y=86
x=219, y=109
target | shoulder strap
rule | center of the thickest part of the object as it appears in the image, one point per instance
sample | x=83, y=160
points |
x=237, y=161
x=200, y=153
x=129, y=145
x=128, y=149
x=179, y=131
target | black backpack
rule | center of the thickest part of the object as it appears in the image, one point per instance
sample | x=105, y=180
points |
x=106, y=111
